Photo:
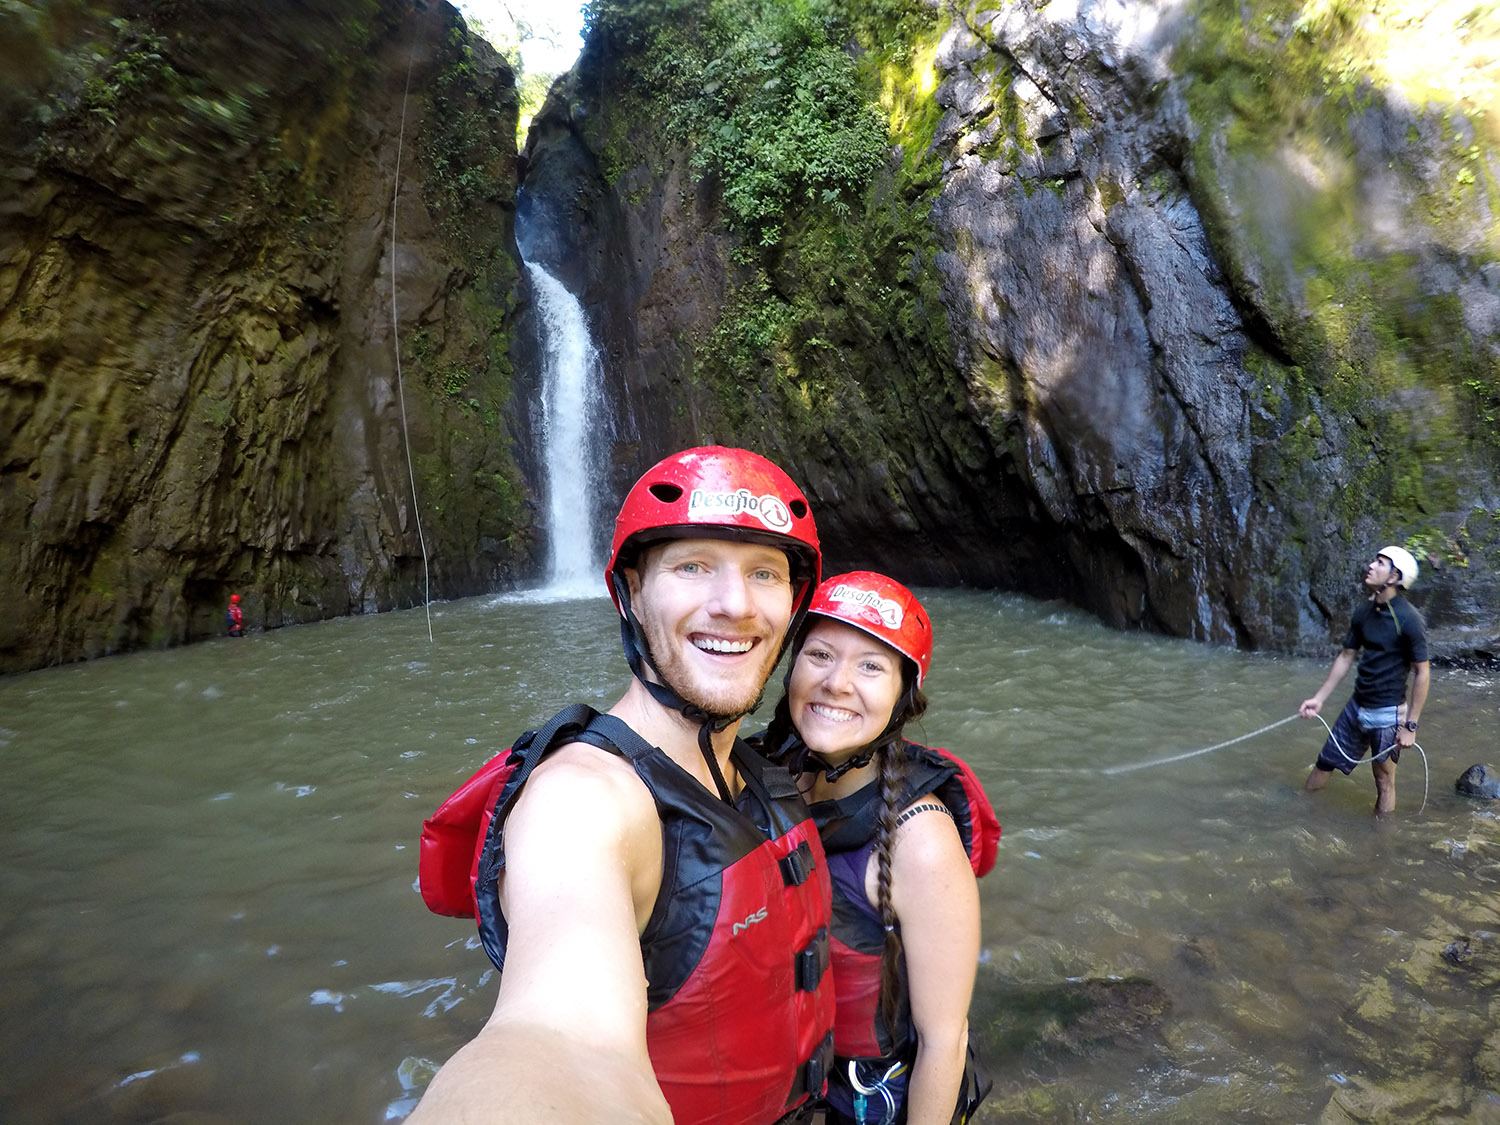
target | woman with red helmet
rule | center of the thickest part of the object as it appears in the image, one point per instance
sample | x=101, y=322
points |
x=907, y=829
x=653, y=890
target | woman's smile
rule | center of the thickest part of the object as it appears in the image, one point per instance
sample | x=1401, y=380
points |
x=844, y=686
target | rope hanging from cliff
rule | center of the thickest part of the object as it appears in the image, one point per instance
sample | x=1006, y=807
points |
x=411, y=472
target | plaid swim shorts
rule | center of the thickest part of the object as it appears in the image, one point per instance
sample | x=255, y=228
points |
x=1350, y=742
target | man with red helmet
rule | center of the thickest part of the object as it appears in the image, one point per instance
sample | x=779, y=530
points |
x=234, y=617
x=654, y=890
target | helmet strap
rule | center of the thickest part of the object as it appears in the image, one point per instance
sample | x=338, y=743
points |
x=705, y=744
x=638, y=656
x=805, y=760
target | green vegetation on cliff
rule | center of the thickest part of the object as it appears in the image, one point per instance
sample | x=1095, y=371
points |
x=761, y=92
x=798, y=112
x=1328, y=234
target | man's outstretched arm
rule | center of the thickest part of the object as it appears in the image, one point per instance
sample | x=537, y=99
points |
x=567, y=1040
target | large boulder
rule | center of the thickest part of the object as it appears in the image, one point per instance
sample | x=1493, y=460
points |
x=1479, y=781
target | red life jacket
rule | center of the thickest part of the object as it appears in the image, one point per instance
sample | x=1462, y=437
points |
x=848, y=828
x=739, y=1002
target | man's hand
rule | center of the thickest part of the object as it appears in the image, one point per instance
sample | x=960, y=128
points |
x=1310, y=708
x=1405, y=738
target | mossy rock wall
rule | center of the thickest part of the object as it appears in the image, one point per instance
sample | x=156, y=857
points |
x=198, y=379
x=1246, y=275
x=1178, y=316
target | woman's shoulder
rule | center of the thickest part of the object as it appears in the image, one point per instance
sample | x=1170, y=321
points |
x=927, y=836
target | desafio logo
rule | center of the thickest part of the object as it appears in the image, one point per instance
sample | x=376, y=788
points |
x=768, y=509
x=890, y=611
x=750, y=920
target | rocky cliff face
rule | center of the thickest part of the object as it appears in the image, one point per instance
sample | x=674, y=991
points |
x=1175, y=313
x=204, y=238
x=1240, y=404
x=1178, y=315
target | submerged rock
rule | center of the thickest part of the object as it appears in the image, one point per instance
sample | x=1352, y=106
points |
x=1073, y=1015
x=1487, y=1060
x=1200, y=955
x=1479, y=781
x=1416, y=1098
x=1478, y=955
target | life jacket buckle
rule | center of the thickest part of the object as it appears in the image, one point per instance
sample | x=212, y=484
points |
x=813, y=961
x=815, y=1072
x=797, y=866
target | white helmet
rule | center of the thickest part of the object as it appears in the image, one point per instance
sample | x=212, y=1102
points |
x=1405, y=564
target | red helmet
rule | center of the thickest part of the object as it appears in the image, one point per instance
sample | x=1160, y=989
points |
x=234, y=599
x=881, y=607
x=715, y=492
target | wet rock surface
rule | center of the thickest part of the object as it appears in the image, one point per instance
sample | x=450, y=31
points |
x=1071, y=1016
x=1099, y=424
x=1118, y=339
x=198, y=384
x=1479, y=781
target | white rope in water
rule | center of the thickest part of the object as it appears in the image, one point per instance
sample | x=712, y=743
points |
x=1196, y=753
x=1376, y=757
x=411, y=472
x=1426, y=773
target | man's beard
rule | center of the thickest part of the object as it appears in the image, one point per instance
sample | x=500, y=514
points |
x=718, y=700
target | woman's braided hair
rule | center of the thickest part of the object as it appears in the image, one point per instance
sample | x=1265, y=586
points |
x=890, y=765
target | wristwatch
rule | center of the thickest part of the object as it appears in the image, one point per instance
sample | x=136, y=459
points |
x=1410, y=724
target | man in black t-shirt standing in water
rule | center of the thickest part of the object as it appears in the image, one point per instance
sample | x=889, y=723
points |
x=1388, y=637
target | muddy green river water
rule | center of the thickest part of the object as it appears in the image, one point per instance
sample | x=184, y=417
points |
x=210, y=859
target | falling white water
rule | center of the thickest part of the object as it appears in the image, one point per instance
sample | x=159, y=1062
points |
x=574, y=428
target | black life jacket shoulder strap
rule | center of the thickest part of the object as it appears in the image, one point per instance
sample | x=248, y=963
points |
x=926, y=771
x=615, y=735
x=532, y=747
x=770, y=787
x=573, y=723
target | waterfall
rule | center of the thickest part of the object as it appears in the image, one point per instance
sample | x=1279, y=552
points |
x=574, y=430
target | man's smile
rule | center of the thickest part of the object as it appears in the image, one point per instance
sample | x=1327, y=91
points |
x=724, y=646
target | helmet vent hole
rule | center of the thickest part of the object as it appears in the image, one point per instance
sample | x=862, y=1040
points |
x=799, y=509
x=666, y=493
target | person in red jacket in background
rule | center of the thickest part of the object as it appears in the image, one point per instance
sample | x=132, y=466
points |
x=234, y=617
